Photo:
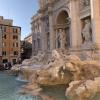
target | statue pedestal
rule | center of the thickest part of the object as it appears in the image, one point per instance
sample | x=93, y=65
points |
x=87, y=45
x=90, y=51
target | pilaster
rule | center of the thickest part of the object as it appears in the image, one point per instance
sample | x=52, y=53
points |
x=75, y=23
x=51, y=29
x=95, y=17
x=43, y=36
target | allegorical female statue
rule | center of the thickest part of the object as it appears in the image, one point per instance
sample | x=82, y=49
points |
x=63, y=39
x=59, y=39
x=86, y=32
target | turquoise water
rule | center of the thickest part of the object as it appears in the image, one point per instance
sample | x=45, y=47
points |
x=97, y=97
x=9, y=88
x=57, y=92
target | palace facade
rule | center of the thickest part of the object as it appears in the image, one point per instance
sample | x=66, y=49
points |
x=69, y=24
x=10, y=37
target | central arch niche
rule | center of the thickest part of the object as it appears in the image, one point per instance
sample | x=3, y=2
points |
x=63, y=30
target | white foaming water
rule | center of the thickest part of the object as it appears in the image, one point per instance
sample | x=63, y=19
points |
x=21, y=80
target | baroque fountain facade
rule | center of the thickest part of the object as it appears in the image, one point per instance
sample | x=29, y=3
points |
x=66, y=49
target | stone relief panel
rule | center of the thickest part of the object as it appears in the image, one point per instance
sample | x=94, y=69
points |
x=84, y=4
x=86, y=32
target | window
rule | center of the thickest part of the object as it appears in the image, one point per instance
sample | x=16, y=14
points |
x=1, y=27
x=15, y=52
x=15, y=37
x=4, y=29
x=13, y=44
x=5, y=60
x=38, y=40
x=4, y=53
x=15, y=30
x=4, y=36
x=4, y=44
x=14, y=61
x=34, y=43
x=16, y=44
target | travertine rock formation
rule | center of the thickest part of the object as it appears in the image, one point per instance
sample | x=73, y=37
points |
x=83, y=89
x=38, y=59
x=83, y=77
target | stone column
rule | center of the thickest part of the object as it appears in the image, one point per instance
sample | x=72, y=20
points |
x=41, y=3
x=56, y=44
x=75, y=24
x=95, y=18
x=43, y=35
x=63, y=38
x=1, y=45
x=51, y=29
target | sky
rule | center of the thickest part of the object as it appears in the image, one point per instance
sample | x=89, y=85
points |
x=21, y=11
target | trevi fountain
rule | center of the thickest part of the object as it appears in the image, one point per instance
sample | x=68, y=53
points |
x=71, y=70
x=61, y=76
